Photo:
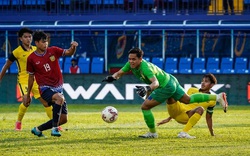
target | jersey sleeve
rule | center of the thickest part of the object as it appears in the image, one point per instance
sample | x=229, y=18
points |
x=12, y=57
x=59, y=52
x=126, y=67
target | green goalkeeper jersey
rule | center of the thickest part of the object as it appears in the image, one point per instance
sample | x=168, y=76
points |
x=146, y=71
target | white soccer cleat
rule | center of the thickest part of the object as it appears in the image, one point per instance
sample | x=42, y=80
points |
x=149, y=135
x=222, y=99
x=185, y=135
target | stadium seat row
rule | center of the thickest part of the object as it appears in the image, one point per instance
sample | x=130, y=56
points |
x=86, y=65
x=95, y=66
x=183, y=65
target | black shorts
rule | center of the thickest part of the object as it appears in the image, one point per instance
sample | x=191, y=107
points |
x=47, y=96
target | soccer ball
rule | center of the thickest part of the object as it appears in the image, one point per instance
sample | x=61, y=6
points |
x=109, y=114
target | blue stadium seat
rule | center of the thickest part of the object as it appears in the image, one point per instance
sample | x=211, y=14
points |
x=185, y=65
x=84, y=64
x=42, y=2
x=147, y=58
x=66, y=2
x=199, y=66
x=67, y=64
x=97, y=65
x=2, y=62
x=13, y=68
x=16, y=2
x=171, y=64
x=240, y=65
x=199, y=71
x=29, y=2
x=94, y=2
x=109, y=2
x=158, y=61
x=148, y=2
x=213, y=71
x=213, y=65
x=246, y=1
x=120, y=2
x=4, y=2
x=61, y=64
x=227, y=65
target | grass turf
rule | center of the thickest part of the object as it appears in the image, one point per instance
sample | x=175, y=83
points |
x=88, y=135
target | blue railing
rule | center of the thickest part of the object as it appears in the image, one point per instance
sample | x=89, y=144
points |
x=188, y=38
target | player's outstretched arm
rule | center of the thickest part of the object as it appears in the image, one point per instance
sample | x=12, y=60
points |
x=114, y=77
x=210, y=123
x=27, y=98
x=164, y=121
x=109, y=79
x=5, y=68
x=72, y=49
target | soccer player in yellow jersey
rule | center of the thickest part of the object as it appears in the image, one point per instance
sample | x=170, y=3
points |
x=190, y=114
x=20, y=55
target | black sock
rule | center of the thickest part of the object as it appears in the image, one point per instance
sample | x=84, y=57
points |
x=45, y=126
x=56, y=114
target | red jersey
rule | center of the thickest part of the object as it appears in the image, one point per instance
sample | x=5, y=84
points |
x=74, y=70
x=46, y=67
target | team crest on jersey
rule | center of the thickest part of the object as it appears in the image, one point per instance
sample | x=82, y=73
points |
x=52, y=58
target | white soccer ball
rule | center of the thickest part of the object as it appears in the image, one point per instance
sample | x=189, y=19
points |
x=109, y=114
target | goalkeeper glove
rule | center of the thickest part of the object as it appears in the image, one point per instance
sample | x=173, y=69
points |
x=142, y=90
x=109, y=79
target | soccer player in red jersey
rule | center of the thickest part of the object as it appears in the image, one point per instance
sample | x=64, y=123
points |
x=43, y=65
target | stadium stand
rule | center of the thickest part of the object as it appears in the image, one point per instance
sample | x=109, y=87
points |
x=171, y=64
x=185, y=65
x=213, y=65
x=84, y=65
x=13, y=68
x=158, y=61
x=199, y=66
x=227, y=65
x=97, y=65
x=2, y=62
x=61, y=64
x=240, y=65
x=67, y=64
x=147, y=59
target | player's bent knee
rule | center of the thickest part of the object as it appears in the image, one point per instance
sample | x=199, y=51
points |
x=200, y=110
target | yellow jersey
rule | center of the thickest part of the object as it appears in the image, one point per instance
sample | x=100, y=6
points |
x=20, y=55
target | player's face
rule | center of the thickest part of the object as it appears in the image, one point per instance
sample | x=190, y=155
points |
x=206, y=84
x=134, y=61
x=26, y=39
x=42, y=45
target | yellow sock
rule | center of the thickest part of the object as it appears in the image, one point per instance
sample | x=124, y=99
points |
x=49, y=111
x=191, y=122
x=21, y=111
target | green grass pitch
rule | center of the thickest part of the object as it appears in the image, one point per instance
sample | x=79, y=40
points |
x=88, y=135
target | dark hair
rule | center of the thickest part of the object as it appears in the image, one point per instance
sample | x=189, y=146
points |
x=211, y=77
x=139, y=53
x=39, y=35
x=24, y=30
x=74, y=59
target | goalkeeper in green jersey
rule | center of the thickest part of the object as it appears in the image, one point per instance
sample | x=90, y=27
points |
x=161, y=87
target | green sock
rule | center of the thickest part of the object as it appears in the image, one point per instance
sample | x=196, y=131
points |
x=200, y=97
x=149, y=119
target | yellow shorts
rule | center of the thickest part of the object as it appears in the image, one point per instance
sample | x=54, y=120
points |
x=178, y=112
x=24, y=86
